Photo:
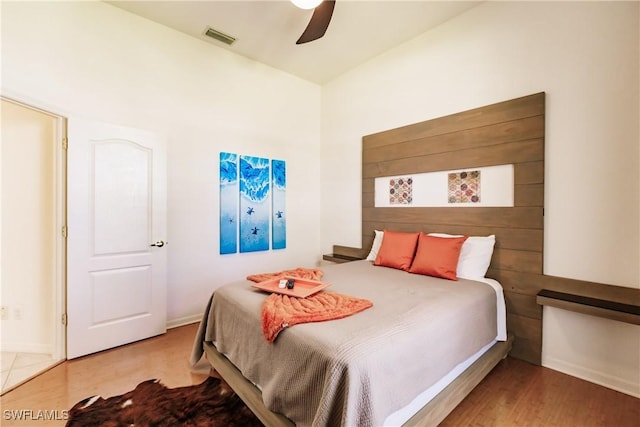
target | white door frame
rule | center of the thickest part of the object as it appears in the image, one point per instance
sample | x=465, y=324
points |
x=59, y=292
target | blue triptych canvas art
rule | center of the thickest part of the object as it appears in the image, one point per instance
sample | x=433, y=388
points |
x=278, y=221
x=252, y=203
x=229, y=196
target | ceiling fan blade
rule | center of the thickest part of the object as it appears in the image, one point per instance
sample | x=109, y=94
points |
x=319, y=22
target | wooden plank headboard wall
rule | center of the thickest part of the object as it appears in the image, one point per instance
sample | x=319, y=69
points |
x=510, y=132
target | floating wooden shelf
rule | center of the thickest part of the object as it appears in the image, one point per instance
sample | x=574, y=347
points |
x=339, y=258
x=627, y=313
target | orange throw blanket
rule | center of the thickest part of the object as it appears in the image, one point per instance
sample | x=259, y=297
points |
x=300, y=273
x=282, y=311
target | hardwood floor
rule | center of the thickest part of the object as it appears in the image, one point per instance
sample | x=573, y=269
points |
x=107, y=373
x=515, y=393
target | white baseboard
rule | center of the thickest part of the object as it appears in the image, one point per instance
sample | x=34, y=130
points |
x=182, y=321
x=601, y=378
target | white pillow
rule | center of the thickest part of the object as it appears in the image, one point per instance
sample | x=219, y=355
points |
x=475, y=255
x=375, y=247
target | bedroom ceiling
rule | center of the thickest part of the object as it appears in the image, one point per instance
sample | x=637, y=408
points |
x=266, y=30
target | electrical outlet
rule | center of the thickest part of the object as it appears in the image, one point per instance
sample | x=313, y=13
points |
x=4, y=312
x=17, y=313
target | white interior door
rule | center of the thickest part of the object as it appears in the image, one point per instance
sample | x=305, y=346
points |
x=116, y=277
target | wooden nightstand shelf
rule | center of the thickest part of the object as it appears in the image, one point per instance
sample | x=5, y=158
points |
x=343, y=254
x=338, y=258
x=628, y=313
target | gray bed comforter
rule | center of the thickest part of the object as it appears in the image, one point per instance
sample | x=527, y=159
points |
x=357, y=370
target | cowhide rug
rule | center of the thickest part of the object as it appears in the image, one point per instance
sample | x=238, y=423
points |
x=211, y=403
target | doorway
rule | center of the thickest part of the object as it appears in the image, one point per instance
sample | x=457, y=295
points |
x=33, y=248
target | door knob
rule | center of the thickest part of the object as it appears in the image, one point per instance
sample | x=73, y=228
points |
x=159, y=243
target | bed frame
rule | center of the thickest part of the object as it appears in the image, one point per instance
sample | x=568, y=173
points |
x=431, y=414
x=510, y=132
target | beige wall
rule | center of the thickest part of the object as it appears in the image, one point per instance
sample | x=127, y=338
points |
x=28, y=263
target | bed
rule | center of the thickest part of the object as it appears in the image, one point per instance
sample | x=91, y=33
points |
x=374, y=368
x=419, y=392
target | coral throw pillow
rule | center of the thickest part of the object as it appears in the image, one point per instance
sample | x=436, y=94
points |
x=437, y=256
x=397, y=250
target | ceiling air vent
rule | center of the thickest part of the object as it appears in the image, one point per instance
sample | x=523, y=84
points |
x=217, y=35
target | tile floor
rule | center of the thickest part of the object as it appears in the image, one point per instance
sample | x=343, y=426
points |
x=18, y=367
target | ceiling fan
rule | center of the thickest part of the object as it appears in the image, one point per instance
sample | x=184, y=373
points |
x=317, y=26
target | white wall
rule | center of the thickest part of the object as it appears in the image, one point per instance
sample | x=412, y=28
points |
x=585, y=56
x=92, y=60
x=602, y=351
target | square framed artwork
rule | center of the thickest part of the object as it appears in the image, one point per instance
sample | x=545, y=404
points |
x=401, y=191
x=464, y=187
